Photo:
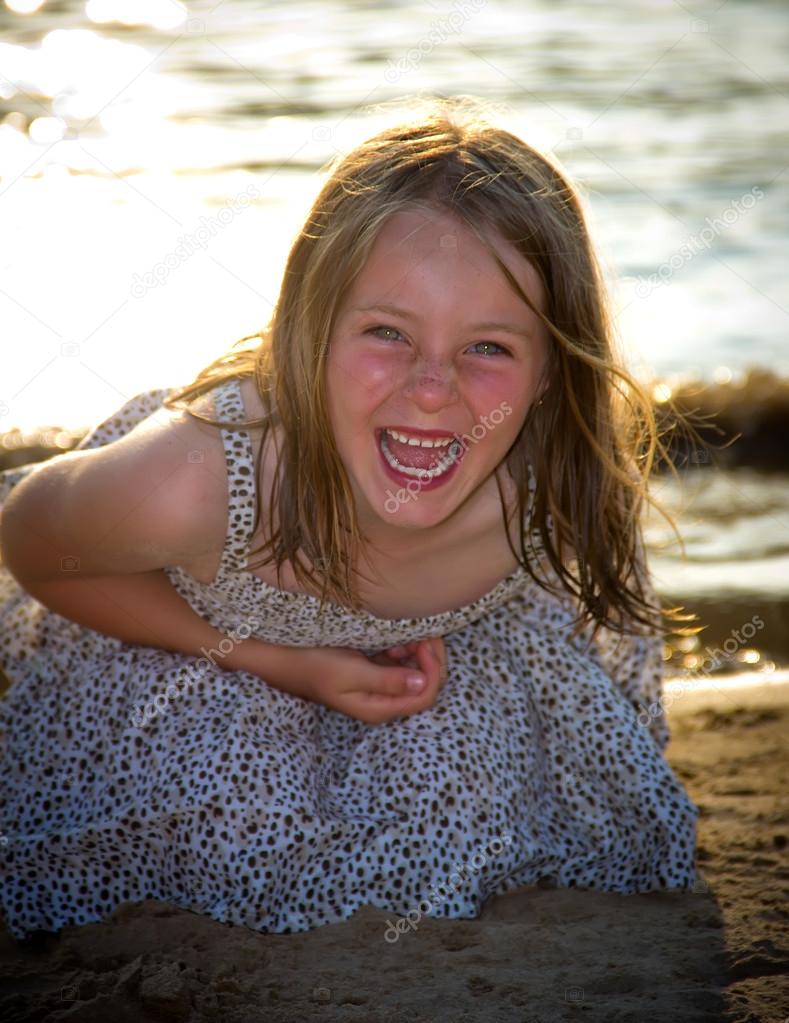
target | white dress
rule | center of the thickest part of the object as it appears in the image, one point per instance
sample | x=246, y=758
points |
x=128, y=772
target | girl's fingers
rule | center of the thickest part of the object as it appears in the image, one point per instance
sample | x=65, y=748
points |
x=387, y=659
x=388, y=696
x=428, y=662
x=389, y=684
x=439, y=653
x=425, y=655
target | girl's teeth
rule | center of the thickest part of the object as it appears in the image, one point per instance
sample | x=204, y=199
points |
x=438, y=442
x=454, y=449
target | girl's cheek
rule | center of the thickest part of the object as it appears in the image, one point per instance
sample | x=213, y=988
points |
x=374, y=369
x=488, y=388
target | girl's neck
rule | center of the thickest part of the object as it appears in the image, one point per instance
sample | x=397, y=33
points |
x=479, y=513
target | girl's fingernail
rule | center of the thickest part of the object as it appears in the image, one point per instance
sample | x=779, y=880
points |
x=415, y=683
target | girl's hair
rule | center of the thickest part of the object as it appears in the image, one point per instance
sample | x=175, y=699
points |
x=591, y=443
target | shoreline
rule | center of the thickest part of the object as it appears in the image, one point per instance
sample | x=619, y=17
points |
x=743, y=685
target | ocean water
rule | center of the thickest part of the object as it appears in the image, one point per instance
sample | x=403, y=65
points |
x=130, y=126
x=732, y=571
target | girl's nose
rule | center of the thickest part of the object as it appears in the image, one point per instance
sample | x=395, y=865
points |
x=431, y=383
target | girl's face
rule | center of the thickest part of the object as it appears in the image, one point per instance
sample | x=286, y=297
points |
x=432, y=343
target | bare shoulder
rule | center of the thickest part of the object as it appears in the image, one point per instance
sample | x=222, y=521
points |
x=253, y=403
x=147, y=500
x=255, y=409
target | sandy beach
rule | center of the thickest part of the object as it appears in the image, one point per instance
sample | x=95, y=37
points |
x=534, y=956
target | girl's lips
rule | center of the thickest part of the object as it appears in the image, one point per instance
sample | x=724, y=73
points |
x=423, y=483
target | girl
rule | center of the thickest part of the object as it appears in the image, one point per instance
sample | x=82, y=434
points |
x=366, y=597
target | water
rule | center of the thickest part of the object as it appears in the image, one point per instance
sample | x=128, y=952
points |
x=733, y=572
x=735, y=528
x=118, y=139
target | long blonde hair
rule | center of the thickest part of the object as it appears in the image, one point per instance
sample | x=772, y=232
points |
x=592, y=441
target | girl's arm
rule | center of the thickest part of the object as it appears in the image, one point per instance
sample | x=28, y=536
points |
x=89, y=532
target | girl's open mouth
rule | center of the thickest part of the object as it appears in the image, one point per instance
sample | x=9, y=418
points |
x=428, y=465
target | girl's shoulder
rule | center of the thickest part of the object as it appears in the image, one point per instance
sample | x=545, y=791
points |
x=149, y=499
x=254, y=409
x=253, y=403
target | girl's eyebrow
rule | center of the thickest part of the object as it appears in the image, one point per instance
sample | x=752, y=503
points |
x=394, y=310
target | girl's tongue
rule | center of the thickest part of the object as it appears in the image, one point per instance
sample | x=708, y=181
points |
x=415, y=455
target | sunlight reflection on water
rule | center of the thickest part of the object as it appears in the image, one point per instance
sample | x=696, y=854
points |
x=128, y=126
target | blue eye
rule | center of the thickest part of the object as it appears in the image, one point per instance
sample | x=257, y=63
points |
x=493, y=345
x=391, y=330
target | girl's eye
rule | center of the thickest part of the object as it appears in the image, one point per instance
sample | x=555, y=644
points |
x=374, y=330
x=491, y=344
x=392, y=330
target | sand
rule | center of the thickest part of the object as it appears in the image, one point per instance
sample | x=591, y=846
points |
x=534, y=956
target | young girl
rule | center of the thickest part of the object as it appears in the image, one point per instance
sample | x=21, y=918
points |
x=365, y=602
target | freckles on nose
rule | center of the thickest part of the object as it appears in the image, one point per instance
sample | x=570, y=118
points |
x=432, y=373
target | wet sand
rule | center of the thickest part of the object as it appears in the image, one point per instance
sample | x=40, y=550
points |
x=534, y=956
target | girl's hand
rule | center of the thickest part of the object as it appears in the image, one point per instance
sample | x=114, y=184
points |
x=407, y=654
x=373, y=689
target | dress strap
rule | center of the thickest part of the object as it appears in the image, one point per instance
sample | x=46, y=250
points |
x=228, y=405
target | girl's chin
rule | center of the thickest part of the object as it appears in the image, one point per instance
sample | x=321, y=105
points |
x=405, y=507
x=396, y=499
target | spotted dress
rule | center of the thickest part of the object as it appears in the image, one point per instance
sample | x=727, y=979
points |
x=129, y=772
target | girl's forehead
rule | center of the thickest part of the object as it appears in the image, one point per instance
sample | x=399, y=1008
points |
x=414, y=245
x=421, y=228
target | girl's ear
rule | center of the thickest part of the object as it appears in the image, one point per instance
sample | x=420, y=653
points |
x=539, y=394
